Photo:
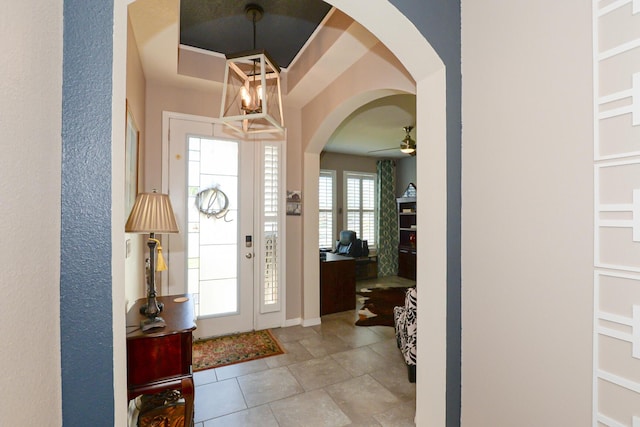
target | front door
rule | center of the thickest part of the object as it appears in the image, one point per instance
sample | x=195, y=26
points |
x=217, y=257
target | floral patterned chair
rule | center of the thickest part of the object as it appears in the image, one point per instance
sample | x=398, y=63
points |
x=405, y=324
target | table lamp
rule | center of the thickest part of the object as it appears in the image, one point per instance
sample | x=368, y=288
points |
x=152, y=213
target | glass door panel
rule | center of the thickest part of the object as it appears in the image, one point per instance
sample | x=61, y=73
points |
x=213, y=227
x=222, y=190
x=211, y=185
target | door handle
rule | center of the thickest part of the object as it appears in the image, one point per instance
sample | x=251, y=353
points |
x=249, y=255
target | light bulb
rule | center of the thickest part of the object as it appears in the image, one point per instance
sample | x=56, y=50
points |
x=246, y=97
x=250, y=101
x=260, y=96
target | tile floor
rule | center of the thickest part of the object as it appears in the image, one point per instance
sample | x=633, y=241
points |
x=333, y=374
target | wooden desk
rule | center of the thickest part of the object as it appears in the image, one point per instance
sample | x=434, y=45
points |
x=160, y=359
x=337, y=284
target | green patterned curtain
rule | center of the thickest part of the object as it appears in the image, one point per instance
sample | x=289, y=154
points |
x=387, y=216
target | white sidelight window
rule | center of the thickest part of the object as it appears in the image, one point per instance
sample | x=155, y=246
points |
x=327, y=214
x=270, y=261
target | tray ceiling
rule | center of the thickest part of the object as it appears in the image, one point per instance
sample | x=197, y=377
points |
x=222, y=26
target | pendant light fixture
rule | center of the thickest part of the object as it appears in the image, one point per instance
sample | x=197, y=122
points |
x=251, y=95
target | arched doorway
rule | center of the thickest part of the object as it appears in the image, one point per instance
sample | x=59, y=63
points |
x=384, y=21
x=402, y=38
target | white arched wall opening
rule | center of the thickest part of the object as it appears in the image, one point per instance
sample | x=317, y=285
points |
x=401, y=37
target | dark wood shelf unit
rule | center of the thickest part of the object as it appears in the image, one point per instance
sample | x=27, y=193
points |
x=407, y=248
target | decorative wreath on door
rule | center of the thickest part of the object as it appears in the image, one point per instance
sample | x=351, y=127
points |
x=213, y=203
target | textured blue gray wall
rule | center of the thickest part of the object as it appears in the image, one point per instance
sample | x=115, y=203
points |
x=85, y=284
x=439, y=22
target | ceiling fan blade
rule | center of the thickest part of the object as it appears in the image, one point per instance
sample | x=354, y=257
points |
x=407, y=146
x=384, y=149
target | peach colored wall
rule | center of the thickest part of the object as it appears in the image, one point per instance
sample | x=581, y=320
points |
x=165, y=98
x=376, y=74
x=294, y=223
x=333, y=29
x=136, y=93
x=527, y=216
x=134, y=264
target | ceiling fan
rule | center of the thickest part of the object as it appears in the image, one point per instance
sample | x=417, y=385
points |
x=407, y=145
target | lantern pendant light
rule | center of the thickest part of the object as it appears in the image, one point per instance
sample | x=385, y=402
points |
x=251, y=95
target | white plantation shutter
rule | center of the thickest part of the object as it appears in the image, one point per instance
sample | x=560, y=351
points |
x=270, y=283
x=360, y=196
x=326, y=191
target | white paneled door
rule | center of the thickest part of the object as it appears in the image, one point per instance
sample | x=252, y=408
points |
x=219, y=192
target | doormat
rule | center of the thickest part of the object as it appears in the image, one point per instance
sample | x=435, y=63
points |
x=378, y=307
x=229, y=349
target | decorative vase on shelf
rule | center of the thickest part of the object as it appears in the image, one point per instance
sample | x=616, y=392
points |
x=412, y=240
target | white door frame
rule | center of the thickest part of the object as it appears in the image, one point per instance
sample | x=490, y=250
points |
x=259, y=320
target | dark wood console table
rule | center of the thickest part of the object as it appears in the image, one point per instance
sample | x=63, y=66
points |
x=160, y=359
x=337, y=284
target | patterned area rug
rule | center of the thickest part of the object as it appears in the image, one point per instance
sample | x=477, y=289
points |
x=227, y=350
x=378, y=306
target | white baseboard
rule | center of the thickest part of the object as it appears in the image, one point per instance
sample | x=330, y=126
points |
x=299, y=321
x=311, y=322
x=292, y=322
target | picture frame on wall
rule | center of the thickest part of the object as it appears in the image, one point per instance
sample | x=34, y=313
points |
x=132, y=142
x=294, y=202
